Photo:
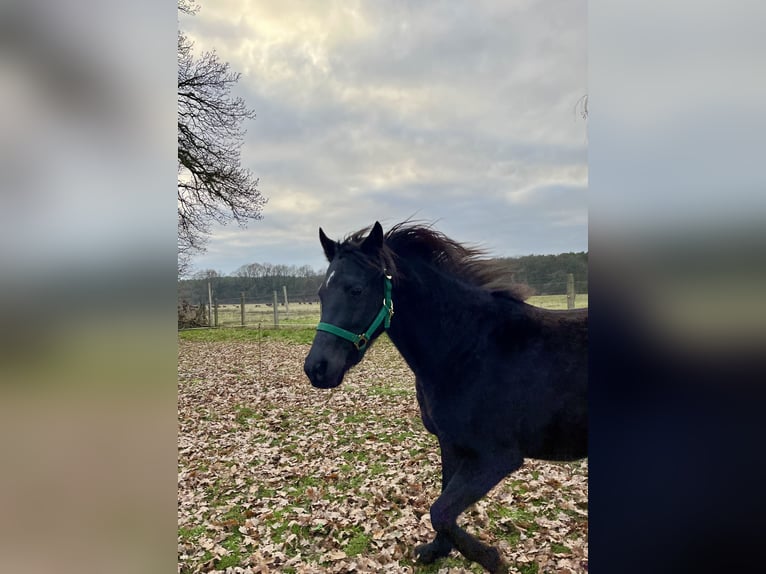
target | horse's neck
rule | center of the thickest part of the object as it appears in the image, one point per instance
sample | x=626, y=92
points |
x=421, y=302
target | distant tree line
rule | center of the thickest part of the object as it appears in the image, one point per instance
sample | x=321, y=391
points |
x=545, y=274
x=257, y=281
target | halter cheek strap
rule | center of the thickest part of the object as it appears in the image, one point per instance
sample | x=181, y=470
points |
x=362, y=340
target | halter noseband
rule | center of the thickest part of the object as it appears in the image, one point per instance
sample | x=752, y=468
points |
x=361, y=340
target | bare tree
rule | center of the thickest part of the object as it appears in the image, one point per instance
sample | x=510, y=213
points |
x=207, y=274
x=249, y=270
x=306, y=271
x=212, y=184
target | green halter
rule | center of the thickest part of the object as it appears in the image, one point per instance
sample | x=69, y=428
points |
x=361, y=340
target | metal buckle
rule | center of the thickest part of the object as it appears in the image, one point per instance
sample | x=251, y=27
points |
x=362, y=342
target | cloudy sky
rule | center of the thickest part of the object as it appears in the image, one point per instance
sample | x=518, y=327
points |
x=461, y=113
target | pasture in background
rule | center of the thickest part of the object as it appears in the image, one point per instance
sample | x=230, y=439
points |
x=249, y=297
x=307, y=314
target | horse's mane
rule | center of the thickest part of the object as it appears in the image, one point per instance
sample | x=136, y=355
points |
x=471, y=264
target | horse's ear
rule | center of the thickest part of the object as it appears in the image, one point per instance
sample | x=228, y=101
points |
x=328, y=245
x=374, y=241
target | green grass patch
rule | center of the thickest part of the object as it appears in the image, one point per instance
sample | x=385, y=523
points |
x=377, y=468
x=355, y=418
x=301, y=335
x=576, y=516
x=557, y=301
x=358, y=543
x=193, y=533
x=519, y=518
x=529, y=568
x=397, y=437
x=356, y=456
x=352, y=479
x=307, y=481
x=281, y=529
x=243, y=414
x=519, y=486
x=224, y=334
x=236, y=515
x=392, y=391
x=560, y=548
x=233, y=544
x=265, y=492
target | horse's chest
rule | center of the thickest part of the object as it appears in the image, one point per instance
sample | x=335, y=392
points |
x=444, y=410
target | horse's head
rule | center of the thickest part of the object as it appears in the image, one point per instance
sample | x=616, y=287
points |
x=356, y=307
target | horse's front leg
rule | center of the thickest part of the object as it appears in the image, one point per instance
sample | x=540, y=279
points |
x=473, y=477
x=441, y=545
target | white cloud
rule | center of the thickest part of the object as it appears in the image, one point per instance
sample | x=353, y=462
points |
x=373, y=110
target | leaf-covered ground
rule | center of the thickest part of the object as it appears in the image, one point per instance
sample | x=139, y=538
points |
x=276, y=476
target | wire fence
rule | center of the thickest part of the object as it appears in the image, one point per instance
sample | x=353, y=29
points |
x=302, y=310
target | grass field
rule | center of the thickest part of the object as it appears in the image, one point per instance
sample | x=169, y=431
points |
x=276, y=476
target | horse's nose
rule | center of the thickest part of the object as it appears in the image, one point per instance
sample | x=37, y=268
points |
x=315, y=370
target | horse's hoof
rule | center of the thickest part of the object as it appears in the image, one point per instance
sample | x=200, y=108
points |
x=429, y=553
x=494, y=564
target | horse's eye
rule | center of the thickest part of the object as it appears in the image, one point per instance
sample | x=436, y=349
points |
x=355, y=291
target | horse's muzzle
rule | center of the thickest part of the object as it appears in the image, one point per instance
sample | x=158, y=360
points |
x=317, y=372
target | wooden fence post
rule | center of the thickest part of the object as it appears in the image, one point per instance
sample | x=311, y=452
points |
x=276, y=311
x=215, y=309
x=201, y=317
x=242, y=308
x=287, y=308
x=260, y=354
x=570, y=291
x=210, y=304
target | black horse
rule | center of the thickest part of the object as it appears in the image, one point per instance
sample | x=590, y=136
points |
x=497, y=380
